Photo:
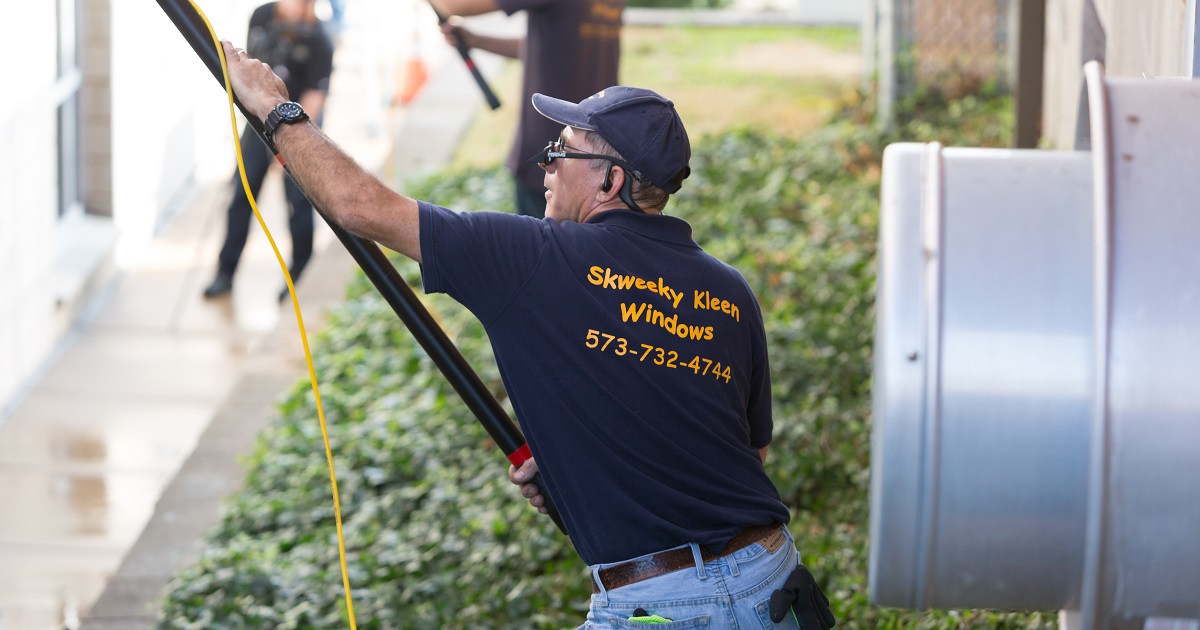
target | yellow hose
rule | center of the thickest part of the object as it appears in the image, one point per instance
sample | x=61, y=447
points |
x=312, y=375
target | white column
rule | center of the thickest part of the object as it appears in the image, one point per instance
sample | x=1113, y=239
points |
x=886, y=44
x=1191, y=65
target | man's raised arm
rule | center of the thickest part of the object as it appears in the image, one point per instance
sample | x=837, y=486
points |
x=351, y=196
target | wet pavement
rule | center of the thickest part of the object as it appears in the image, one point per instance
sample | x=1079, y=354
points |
x=86, y=453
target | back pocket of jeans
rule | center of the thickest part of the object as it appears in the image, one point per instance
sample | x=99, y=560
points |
x=764, y=615
x=694, y=622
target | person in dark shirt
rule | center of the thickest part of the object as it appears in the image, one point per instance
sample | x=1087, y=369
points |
x=644, y=389
x=288, y=36
x=571, y=49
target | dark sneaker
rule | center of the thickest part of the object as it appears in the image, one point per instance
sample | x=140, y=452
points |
x=221, y=285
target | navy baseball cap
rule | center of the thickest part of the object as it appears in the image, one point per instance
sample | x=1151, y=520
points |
x=640, y=124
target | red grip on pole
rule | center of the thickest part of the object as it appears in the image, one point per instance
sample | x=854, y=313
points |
x=519, y=456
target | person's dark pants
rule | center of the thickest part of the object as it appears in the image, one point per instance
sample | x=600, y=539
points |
x=531, y=202
x=237, y=228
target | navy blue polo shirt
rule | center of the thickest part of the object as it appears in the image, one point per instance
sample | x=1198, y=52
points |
x=636, y=364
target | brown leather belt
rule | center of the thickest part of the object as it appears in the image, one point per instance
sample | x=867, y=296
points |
x=663, y=562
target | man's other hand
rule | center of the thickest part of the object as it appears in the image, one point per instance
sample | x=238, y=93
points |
x=521, y=477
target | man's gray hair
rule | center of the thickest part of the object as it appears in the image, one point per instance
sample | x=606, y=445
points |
x=644, y=193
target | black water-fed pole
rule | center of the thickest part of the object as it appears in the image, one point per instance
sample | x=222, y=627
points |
x=387, y=281
x=465, y=53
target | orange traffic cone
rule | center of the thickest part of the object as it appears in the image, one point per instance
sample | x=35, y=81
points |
x=413, y=73
x=413, y=80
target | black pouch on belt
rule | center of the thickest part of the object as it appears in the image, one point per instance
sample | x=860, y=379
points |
x=801, y=594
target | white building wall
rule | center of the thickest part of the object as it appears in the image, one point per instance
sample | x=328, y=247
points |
x=28, y=197
x=154, y=121
x=1143, y=36
x=1132, y=37
x=168, y=114
x=1064, y=58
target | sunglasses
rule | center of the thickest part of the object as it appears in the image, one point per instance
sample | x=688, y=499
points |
x=557, y=150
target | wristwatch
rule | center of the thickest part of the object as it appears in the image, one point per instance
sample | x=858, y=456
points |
x=286, y=113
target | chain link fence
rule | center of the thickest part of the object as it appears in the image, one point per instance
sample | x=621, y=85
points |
x=953, y=46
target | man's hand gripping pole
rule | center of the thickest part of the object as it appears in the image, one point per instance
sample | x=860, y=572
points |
x=387, y=281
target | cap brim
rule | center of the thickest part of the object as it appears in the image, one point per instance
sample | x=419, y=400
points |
x=560, y=111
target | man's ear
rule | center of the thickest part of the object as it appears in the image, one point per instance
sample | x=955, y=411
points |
x=614, y=178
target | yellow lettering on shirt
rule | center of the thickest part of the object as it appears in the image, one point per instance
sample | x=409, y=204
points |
x=648, y=314
x=588, y=30
x=703, y=301
x=606, y=11
x=604, y=278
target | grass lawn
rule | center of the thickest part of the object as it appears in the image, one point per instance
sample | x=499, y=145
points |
x=787, y=78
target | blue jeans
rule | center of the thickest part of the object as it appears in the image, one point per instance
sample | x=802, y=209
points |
x=729, y=592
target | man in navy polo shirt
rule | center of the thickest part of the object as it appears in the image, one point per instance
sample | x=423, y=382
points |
x=643, y=386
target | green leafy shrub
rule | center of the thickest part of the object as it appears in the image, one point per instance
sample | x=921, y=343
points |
x=435, y=534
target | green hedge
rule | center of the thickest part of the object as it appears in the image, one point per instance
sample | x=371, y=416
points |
x=435, y=534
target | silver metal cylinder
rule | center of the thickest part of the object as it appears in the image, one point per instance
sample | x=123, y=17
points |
x=1037, y=370
x=982, y=387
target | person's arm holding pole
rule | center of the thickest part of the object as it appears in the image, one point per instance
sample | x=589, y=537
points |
x=457, y=35
x=363, y=202
x=463, y=40
x=444, y=9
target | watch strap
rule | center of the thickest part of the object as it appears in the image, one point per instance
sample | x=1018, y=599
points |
x=286, y=113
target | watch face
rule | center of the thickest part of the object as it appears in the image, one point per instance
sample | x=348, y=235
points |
x=289, y=111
